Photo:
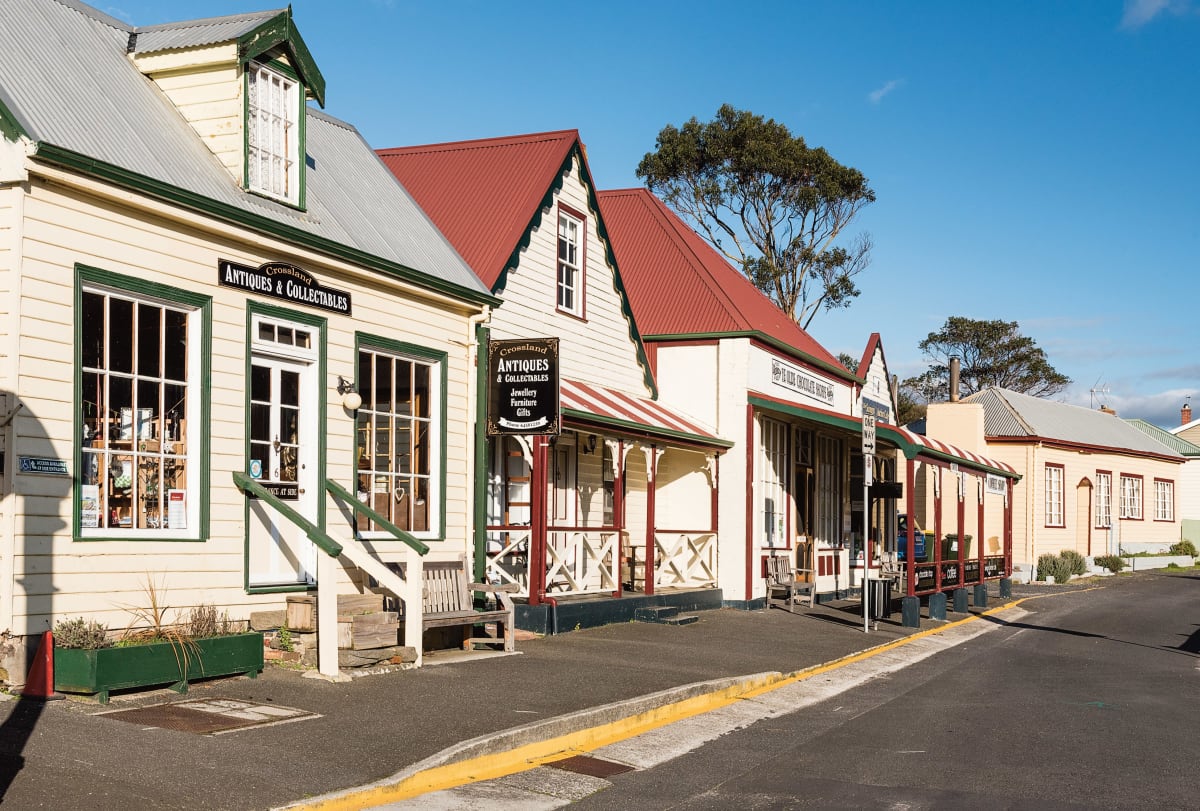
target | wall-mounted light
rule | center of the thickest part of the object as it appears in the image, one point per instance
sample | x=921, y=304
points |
x=590, y=447
x=351, y=399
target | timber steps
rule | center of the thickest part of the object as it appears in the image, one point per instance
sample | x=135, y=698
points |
x=664, y=615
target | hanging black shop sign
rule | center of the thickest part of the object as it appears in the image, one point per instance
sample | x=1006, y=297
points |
x=283, y=281
x=523, y=387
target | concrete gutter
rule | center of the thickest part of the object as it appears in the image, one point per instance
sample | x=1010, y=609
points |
x=528, y=746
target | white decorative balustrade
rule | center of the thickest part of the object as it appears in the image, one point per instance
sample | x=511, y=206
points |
x=685, y=560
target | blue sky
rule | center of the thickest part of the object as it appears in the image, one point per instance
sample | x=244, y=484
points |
x=1036, y=162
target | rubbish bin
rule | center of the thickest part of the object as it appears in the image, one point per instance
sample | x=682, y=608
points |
x=880, y=594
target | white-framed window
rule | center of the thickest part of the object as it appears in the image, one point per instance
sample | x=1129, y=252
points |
x=139, y=367
x=772, y=482
x=273, y=153
x=1054, y=496
x=1131, y=497
x=399, y=435
x=1103, y=499
x=1164, y=500
x=570, y=263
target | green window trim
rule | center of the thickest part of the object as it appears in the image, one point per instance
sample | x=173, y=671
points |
x=202, y=306
x=363, y=340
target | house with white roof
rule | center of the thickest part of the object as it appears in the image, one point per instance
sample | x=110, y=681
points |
x=1091, y=482
x=226, y=331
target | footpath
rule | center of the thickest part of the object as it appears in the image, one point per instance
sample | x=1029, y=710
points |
x=311, y=743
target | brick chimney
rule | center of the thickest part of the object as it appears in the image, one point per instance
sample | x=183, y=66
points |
x=1185, y=414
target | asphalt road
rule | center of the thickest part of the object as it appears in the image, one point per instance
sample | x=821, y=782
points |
x=1088, y=700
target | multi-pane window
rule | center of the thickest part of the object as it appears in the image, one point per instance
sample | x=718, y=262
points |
x=570, y=236
x=134, y=358
x=1131, y=497
x=772, y=482
x=1164, y=500
x=1103, y=499
x=398, y=433
x=273, y=133
x=1054, y=496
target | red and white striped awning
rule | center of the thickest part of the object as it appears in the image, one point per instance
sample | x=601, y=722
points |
x=582, y=402
x=946, y=449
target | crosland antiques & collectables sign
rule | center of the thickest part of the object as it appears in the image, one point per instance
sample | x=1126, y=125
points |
x=283, y=281
x=523, y=387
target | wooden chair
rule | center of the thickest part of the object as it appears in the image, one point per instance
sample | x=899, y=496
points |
x=783, y=577
x=449, y=602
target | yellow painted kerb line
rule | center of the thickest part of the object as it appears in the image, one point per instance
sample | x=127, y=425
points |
x=532, y=755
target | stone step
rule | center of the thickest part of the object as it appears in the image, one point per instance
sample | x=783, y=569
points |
x=655, y=613
x=681, y=619
x=663, y=615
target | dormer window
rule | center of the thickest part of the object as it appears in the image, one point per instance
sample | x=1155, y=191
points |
x=273, y=153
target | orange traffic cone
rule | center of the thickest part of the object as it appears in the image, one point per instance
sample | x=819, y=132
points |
x=40, y=682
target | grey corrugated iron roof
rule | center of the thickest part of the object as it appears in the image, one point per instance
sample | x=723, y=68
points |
x=65, y=77
x=1011, y=414
x=1166, y=438
x=196, y=33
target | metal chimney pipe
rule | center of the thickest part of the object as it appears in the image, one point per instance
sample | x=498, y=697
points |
x=954, y=375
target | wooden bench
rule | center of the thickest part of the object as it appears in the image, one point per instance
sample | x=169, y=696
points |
x=782, y=576
x=448, y=601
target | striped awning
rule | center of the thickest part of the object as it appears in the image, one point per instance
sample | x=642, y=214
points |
x=951, y=452
x=637, y=416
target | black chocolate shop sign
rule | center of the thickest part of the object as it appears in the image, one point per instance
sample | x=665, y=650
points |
x=283, y=281
x=523, y=387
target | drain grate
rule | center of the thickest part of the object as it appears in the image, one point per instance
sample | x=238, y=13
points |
x=210, y=716
x=590, y=766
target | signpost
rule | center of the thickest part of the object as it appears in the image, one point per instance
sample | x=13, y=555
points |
x=868, y=457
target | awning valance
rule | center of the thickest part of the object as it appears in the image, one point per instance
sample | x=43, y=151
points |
x=912, y=445
x=638, y=416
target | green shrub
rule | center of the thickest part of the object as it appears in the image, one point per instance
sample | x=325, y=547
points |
x=1074, y=562
x=1047, y=566
x=1113, y=563
x=80, y=633
x=1184, y=548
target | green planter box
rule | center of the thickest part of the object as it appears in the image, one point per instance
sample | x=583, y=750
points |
x=99, y=671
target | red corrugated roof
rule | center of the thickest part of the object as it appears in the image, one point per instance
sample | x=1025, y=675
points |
x=679, y=285
x=483, y=194
x=619, y=410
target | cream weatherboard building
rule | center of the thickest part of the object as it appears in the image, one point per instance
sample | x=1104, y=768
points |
x=199, y=274
x=1091, y=482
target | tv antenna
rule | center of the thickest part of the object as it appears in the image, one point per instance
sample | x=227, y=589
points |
x=1097, y=389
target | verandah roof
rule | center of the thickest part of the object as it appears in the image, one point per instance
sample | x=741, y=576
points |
x=597, y=405
x=912, y=445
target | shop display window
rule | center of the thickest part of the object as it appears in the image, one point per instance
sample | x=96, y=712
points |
x=135, y=461
x=397, y=429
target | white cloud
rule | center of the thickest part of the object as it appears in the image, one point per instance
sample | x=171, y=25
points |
x=1139, y=12
x=876, y=96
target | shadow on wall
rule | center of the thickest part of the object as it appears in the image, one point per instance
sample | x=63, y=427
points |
x=35, y=483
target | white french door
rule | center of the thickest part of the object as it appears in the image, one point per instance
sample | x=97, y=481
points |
x=283, y=448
